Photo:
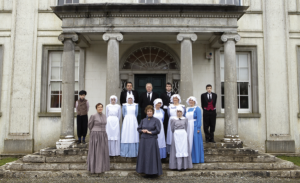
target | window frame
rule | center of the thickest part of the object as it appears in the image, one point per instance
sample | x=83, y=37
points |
x=57, y=2
x=249, y=110
x=45, y=76
x=254, y=78
x=139, y=1
x=240, y=2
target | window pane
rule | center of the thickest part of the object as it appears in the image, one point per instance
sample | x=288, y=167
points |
x=244, y=74
x=238, y=101
x=244, y=103
x=238, y=88
x=75, y=1
x=76, y=88
x=55, y=72
x=60, y=2
x=55, y=59
x=68, y=1
x=76, y=59
x=243, y=60
x=222, y=1
x=156, y=1
x=222, y=74
x=237, y=74
x=222, y=88
x=237, y=2
x=55, y=88
x=222, y=102
x=149, y=1
x=244, y=88
x=55, y=101
x=142, y=1
x=76, y=73
x=237, y=61
x=222, y=60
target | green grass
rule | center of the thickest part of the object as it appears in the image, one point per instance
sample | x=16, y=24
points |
x=294, y=159
x=7, y=160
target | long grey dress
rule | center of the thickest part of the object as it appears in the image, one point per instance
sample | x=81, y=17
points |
x=148, y=160
x=182, y=162
x=98, y=156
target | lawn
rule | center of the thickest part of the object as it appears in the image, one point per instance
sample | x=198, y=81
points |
x=7, y=160
x=294, y=159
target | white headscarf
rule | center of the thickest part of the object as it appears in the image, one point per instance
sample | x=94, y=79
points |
x=191, y=98
x=179, y=108
x=113, y=96
x=130, y=96
x=156, y=101
x=177, y=96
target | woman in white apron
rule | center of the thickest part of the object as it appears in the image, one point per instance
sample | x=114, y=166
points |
x=161, y=139
x=172, y=112
x=130, y=135
x=180, y=154
x=194, y=116
x=113, y=114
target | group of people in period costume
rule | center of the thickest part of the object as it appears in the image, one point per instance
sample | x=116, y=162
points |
x=167, y=128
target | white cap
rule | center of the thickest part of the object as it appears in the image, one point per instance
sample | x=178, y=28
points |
x=191, y=98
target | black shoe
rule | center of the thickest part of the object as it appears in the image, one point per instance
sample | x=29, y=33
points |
x=206, y=141
x=83, y=142
x=78, y=142
x=212, y=140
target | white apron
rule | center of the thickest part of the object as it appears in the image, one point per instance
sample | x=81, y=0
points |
x=130, y=125
x=113, y=125
x=190, y=128
x=173, y=114
x=181, y=146
x=161, y=136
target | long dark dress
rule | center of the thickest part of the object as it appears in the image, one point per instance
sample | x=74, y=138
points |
x=98, y=157
x=148, y=160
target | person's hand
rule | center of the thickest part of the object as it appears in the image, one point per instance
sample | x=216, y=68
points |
x=149, y=132
x=144, y=131
x=198, y=131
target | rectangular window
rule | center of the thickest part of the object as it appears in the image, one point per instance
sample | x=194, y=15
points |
x=232, y=2
x=55, y=80
x=149, y=1
x=243, y=82
x=62, y=2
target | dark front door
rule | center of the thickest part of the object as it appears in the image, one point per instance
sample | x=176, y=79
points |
x=158, y=81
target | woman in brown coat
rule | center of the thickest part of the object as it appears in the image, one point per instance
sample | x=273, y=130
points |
x=98, y=157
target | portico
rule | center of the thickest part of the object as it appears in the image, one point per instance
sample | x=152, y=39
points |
x=182, y=23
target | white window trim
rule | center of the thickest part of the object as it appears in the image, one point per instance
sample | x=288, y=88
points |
x=138, y=1
x=49, y=109
x=249, y=110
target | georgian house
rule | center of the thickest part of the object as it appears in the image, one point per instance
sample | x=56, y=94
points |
x=249, y=50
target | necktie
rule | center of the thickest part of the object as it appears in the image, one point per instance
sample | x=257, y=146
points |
x=129, y=92
x=148, y=97
x=209, y=99
x=169, y=94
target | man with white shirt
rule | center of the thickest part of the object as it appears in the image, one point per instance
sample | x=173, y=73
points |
x=208, y=103
x=166, y=101
x=129, y=91
x=147, y=98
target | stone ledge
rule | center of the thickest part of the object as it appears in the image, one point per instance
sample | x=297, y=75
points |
x=242, y=115
x=51, y=114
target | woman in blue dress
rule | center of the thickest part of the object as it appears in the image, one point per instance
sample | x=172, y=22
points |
x=161, y=139
x=194, y=116
x=129, y=134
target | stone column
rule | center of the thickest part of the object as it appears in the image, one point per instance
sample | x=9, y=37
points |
x=112, y=71
x=186, y=65
x=230, y=83
x=68, y=89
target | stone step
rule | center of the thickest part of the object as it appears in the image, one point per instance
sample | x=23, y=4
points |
x=166, y=173
x=279, y=164
x=207, y=157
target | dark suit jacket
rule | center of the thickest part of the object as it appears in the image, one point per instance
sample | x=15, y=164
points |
x=123, y=96
x=144, y=100
x=166, y=99
x=204, y=100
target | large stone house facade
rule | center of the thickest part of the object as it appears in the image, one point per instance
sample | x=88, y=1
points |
x=249, y=50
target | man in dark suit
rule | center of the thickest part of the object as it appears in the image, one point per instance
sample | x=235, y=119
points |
x=147, y=98
x=129, y=91
x=208, y=103
x=166, y=101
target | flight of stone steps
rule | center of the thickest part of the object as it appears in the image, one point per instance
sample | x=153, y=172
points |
x=221, y=159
